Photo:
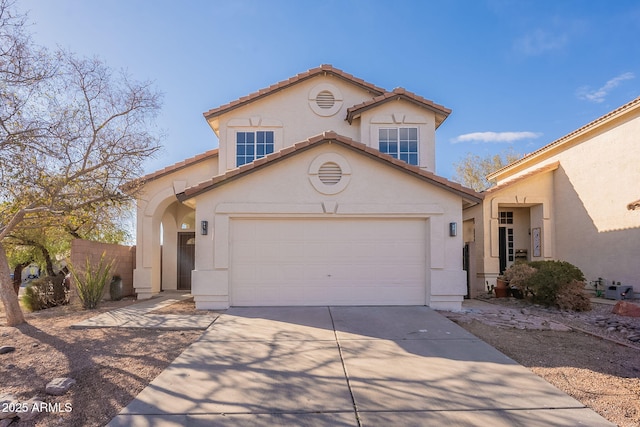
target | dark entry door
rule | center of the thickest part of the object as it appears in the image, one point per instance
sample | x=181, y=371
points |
x=505, y=247
x=186, y=259
x=465, y=266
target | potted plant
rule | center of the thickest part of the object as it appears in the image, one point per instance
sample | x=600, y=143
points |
x=501, y=289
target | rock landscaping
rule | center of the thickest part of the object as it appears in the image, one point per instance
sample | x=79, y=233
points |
x=603, y=320
x=592, y=356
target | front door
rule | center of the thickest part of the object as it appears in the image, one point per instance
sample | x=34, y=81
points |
x=505, y=248
x=186, y=259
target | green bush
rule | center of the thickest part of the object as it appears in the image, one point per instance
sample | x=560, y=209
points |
x=46, y=292
x=557, y=283
x=91, y=282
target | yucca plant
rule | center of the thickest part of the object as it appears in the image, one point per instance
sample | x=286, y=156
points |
x=90, y=283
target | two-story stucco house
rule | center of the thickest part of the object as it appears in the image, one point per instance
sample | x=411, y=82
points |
x=322, y=192
x=570, y=200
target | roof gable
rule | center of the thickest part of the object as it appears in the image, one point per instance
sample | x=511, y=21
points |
x=399, y=93
x=380, y=95
x=323, y=69
x=329, y=137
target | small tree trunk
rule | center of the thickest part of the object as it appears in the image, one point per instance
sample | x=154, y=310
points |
x=7, y=294
x=17, y=276
x=48, y=261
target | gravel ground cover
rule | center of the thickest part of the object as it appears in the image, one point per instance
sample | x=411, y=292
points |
x=110, y=366
x=587, y=355
x=580, y=353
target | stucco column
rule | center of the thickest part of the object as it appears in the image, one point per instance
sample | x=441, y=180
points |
x=146, y=276
x=447, y=280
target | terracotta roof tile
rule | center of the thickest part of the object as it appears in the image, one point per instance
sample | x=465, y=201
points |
x=171, y=169
x=325, y=68
x=589, y=126
x=399, y=93
x=326, y=137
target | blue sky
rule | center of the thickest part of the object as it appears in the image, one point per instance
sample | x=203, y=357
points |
x=516, y=74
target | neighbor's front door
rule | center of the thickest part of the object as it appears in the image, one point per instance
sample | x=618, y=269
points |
x=505, y=247
x=186, y=259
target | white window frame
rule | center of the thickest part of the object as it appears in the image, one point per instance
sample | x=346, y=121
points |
x=248, y=158
x=405, y=156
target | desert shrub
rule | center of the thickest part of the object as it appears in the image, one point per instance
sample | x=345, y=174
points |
x=33, y=298
x=572, y=297
x=554, y=278
x=46, y=292
x=518, y=276
x=90, y=283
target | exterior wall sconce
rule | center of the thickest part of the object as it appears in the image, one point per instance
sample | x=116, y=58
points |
x=204, y=227
x=453, y=229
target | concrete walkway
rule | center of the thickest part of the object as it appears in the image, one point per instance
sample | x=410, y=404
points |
x=138, y=316
x=347, y=366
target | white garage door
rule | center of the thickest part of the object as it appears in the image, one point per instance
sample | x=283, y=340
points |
x=328, y=262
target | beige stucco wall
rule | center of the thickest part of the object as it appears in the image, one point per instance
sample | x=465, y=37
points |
x=284, y=190
x=593, y=185
x=290, y=115
x=586, y=221
x=532, y=202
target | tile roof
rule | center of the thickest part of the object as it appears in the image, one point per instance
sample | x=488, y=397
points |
x=173, y=168
x=325, y=68
x=399, y=93
x=329, y=137
x=584, y=129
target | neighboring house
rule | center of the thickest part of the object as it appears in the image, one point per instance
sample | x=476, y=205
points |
x=571, y=200
x=322, y=192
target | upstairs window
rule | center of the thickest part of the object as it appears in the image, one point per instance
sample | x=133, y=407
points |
x=253, y=145
x=400, y=143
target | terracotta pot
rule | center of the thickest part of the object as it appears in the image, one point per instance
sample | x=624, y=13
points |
x=501, y=283
x=501, y=292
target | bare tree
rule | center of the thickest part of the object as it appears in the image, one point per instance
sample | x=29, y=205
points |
x=72, y=135
x=473, y=169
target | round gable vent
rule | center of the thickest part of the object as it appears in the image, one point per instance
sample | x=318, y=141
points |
x=330, y=173
x=325, y=100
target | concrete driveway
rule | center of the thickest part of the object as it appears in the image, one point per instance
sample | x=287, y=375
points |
x=347, y=366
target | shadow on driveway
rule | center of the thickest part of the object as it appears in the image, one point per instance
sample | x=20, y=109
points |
x=348, y=366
